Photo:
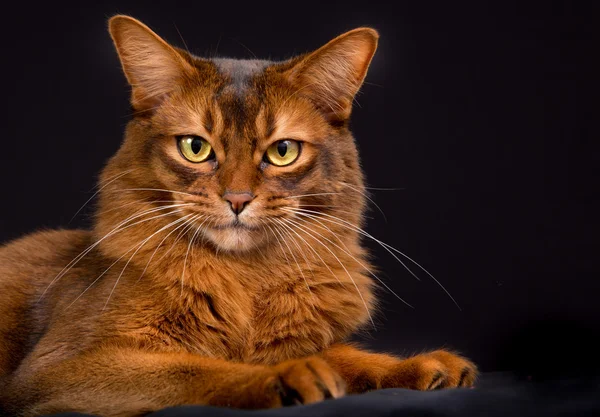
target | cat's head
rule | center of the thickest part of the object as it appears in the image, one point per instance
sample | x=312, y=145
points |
x=243, y=145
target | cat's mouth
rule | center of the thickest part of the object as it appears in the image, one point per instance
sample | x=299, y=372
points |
x=234, y=225
x=235, y=236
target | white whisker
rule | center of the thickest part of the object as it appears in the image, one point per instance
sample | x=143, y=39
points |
x=107, y=269
x=189, y=225
x=347, y=252
x=198, y=229
x=155, y=189
x=356, y=229
x=349, y=276
x=139, y=202
x=100, y=189
x=160, y=244
x=295, y=260
x=383, y=189
x=278, y=241
x=118, y=229
x=424, y=270
x=365, y=196
x=331, y=208
x=386, y=246
x=310, y=195
x=298, y=246
x=134, y=253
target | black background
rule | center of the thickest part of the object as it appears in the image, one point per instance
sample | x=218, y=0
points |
x=477, y=111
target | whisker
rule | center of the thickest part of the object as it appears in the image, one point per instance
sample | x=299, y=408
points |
x=217, y=47
x=296, y=261
x=325, y=263
x=106, y=270
x=347, y=252
x=202, y=238
x=345, y=184
x=160, y=244
x=310, y=195
x=138, y=112
x=111, y=178
x=319, y=205
x=198, y=229
x=426, y=271
x=359, y=230
x=278, y=241
x=153, y=189
x=134, y=253
x=347, y=273
x=245, y=47
x=182, y=40
x=188, y=227
x=332, y=209
x=258, y=247
x=386, y=246
x=100, y=189
x=139, y=202
x=384, y=189
x=135, y=216
x=299, y=248
x=97, y=279
x=118, y=229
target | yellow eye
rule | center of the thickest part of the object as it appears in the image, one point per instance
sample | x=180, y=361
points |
x=195, y=149
x=283, y=152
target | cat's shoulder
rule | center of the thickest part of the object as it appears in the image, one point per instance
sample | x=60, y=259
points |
x=30, y=262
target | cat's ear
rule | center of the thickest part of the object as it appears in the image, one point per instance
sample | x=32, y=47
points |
x=332, y=75
x=152, y=66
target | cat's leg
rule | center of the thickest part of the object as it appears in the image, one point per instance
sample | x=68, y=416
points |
x=115, y=382
x=364, y=371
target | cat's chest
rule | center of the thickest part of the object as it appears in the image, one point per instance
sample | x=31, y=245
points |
x=288, y=321
x=245, y=313
x=259, y=325
x=294, y=320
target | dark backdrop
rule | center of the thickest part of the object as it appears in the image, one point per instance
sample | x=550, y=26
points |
x=478, y=112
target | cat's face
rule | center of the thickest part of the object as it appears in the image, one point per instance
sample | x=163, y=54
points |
x=246, y=141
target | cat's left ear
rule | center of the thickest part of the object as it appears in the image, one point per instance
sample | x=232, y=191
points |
x=332, y=75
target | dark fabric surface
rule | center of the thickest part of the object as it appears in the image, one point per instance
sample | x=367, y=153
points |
x=496, y=394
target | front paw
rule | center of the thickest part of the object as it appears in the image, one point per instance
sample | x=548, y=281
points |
x=434, y=370
x=304, y=381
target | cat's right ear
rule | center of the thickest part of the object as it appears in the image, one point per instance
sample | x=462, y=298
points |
x=152, y=66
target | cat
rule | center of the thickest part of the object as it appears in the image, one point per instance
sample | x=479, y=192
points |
x=225, y=265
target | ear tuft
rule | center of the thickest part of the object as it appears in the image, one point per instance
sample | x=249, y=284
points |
x=332, y=75
x=152, y=66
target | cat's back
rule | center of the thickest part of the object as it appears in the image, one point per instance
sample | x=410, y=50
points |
x=37, y=256
x=27, y=266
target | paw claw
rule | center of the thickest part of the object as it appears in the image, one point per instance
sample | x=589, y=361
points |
x=438, y=382
x=430, y=371
x=463, y=376
x=305, y=381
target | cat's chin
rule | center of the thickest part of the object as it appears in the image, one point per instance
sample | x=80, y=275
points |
x=235, y=239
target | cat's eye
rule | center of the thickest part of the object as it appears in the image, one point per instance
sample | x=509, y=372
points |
x=195, y=149
x=283, y=152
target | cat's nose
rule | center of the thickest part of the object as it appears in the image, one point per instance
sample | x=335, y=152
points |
x=238, y=200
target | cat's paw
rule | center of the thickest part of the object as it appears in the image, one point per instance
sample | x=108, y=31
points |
x=305, y=381
x=434, y=370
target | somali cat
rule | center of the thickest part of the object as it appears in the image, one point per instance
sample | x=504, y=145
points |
x=225, y=265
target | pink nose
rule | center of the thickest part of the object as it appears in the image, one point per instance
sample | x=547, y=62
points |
x=238, y=200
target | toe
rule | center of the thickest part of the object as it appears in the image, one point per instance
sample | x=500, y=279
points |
x=461, y=371
x=419, y=372
x=307, y=381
